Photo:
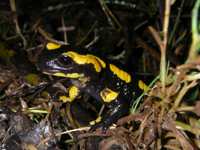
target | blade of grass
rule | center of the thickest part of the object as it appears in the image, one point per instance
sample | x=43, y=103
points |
x=176, y=23
x=195, y=36
x=91, y=29
x=135, y=104
x=110, y=13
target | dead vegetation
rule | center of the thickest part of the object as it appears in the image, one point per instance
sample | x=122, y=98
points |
x=151, y=38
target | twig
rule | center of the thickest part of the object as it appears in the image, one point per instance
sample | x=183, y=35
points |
x=163, y=48
x=13, y=8
x=48, y=38
x=64, y=31
x=163, y=45
x=163, y=62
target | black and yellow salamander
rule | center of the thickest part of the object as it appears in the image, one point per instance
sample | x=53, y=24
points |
x=88, y=73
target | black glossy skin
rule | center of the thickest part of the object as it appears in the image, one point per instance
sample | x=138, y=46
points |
x=127, y=92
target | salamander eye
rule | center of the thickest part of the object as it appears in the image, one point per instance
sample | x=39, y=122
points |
x=65, y=60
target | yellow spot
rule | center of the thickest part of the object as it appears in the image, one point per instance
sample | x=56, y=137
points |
x=95, y=121
x=52, y=46
x=70, y=75
x=142, y=85
x=108, y=95
x=87, y=59
x=73, y=93
x=85, y=79
x=120, y=73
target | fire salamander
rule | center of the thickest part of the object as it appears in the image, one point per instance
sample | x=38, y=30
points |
x=88, y=73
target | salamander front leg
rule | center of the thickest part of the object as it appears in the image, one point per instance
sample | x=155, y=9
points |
x=69, y=97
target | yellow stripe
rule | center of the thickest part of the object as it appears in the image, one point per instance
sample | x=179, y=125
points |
x=87, y=59
x=120, y=73
x=69, y=75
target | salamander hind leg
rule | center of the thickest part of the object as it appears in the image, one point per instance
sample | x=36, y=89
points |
x=118, y=107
